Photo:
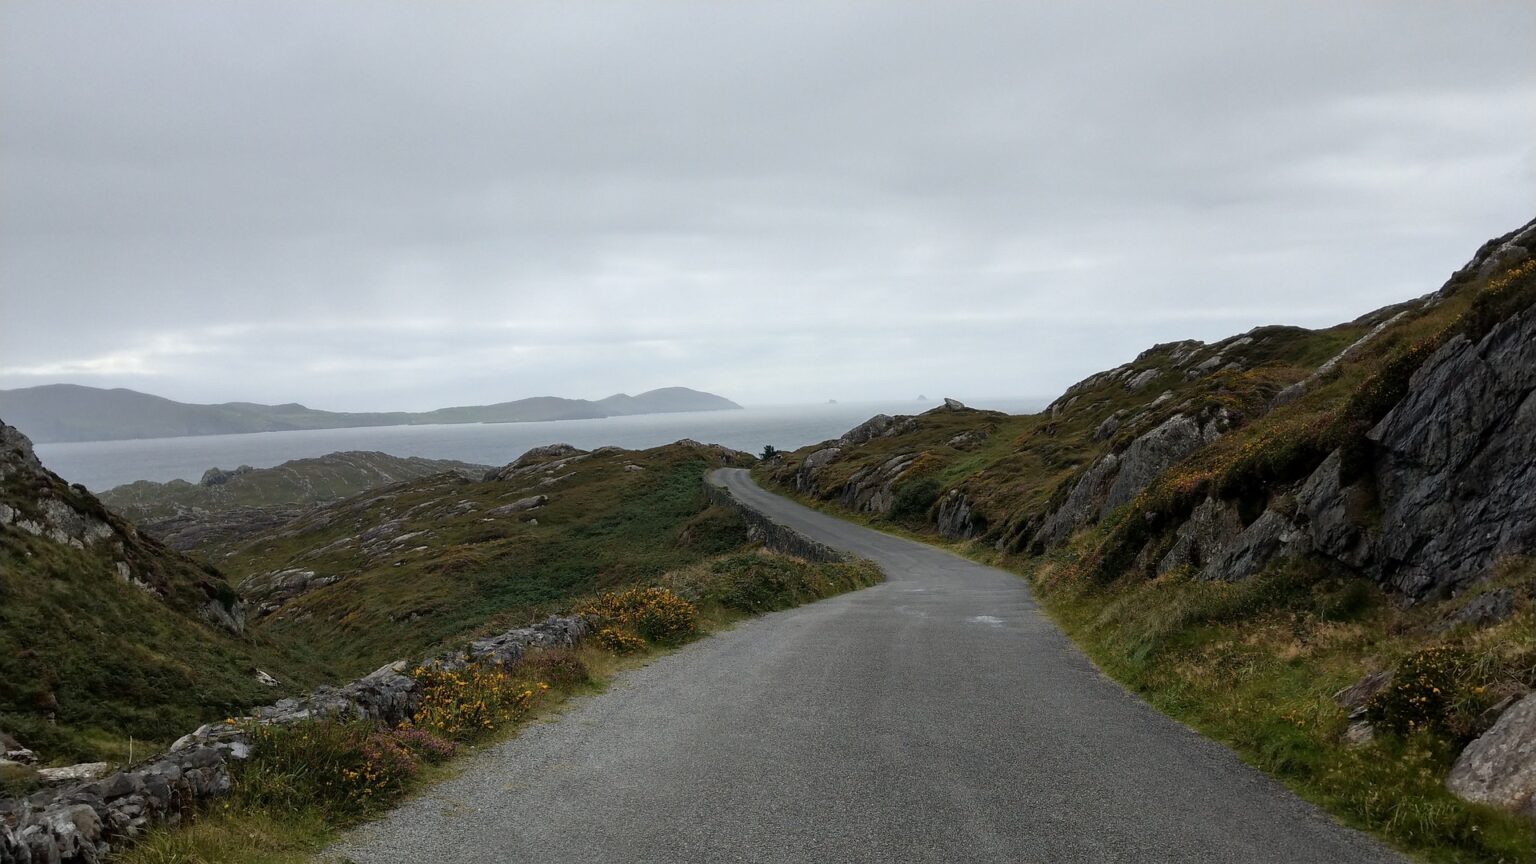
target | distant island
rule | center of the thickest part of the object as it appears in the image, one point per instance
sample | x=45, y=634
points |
x=69, y=412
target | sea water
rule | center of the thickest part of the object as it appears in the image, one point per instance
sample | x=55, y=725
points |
x=100, y=465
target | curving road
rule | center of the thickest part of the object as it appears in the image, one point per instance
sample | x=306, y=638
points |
x=938, y=717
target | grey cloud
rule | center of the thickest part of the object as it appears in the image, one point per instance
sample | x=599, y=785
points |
x=400, y=205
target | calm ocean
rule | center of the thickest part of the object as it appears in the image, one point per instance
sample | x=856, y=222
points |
x=100, y=465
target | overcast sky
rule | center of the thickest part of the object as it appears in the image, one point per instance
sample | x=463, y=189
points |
x=377, y=205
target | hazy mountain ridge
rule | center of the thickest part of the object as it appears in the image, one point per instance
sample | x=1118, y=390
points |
x=55, y=413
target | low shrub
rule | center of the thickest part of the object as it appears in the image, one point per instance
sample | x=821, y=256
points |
x=618, y=642
x=913, y=500
x=349, y=769
x=1432, y=690
x=559, y=667
x=657, y=614
x=457, y=704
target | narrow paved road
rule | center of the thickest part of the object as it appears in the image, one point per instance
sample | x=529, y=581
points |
x=938, y=717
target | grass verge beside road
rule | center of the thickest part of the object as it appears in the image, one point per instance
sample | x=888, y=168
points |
x=307, y=784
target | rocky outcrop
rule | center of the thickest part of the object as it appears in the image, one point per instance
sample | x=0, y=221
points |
x=550, y=457
x=805, y=478
x=877, y=426
x=37, y=502
x=269, y=591
x=1499, y=768
x=1456, y=470
x=1114, y=480
x=521, y=505
x=1448, y=485
x=955, y=517
x=873, y=489
x=86, y=822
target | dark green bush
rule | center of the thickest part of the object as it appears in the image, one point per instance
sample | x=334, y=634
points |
x=914, y=499
x=1432, y=691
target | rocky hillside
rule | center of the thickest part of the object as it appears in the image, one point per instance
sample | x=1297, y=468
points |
x=1400, y=446
x=419, y=564
x=105, y=632
x=70, y=412
x=227, y=505
x=1241, y=529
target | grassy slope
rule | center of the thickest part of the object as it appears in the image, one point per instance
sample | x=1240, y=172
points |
x=1253, y=664
x=604, y=526
x=299, y=481
x=104, y=659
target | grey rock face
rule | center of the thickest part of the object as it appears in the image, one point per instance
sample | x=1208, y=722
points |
x=1114, y=480
x=16, y=452
x=1499, y=768
x=953, y=404
x=874, y=427
x=1155, y=452
x=73, y=773
x=873, y=489
x=1457, y=464
x=1204, y=536
x=1270, y=536
x=954, y=519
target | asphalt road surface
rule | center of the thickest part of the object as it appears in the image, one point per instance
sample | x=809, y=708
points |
x=938, y=717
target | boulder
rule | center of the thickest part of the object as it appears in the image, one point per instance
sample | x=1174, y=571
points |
x=1499, y=768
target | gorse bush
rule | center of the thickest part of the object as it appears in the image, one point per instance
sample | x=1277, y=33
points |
x=657, y=614
x=458, y=704
x=1432, y=690
x=618, y=642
